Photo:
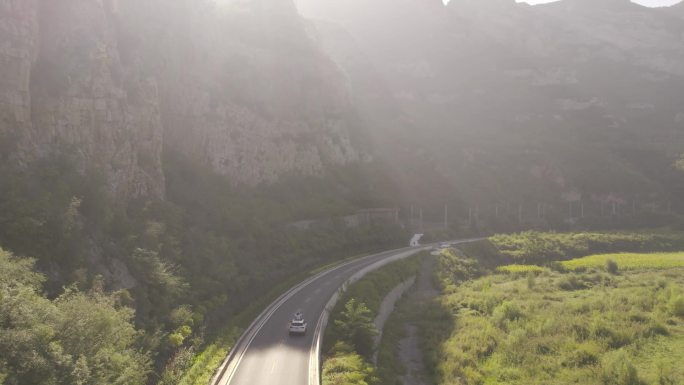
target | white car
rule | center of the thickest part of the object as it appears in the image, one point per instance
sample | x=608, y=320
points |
x=297, y=325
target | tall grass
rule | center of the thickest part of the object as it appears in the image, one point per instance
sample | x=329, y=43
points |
x=628, y=261
x=587, y=327
x=520, y=269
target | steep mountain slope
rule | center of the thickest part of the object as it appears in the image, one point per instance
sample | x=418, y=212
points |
x=67, y=80
x=238, y=86
x=514, y=102
x=243, y=88
x=162, y=150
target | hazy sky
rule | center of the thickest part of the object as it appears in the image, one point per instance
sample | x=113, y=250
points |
x=648, y=3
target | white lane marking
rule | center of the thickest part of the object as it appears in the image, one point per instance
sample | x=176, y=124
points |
x=232, y=361
x=307, y=300
x=275, y=362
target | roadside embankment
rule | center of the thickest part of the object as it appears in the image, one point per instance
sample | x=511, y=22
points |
x=349, y=338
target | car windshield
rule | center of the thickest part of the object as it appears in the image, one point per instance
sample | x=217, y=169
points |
x=297, y=322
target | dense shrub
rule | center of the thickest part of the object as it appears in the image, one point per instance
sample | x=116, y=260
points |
x=612, y=266
x=507, y=311
x=676, y=305
x=354, y=325
x=620, y=371
x=346, y=367
x=571, y=282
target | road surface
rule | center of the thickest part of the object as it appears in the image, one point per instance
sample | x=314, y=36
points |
x=267, y=355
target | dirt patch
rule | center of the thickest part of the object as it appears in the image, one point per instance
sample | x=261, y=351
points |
x=410, y=354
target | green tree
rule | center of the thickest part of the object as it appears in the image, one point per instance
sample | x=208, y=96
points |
x=346, y=367
x=78, y=338
x=355, y=324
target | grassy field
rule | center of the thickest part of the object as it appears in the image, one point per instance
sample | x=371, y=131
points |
x=520, y=269
x=578, y=325
x=604, y=329
x=628, y=261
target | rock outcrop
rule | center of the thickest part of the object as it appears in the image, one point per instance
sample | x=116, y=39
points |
x=18, y=49
x=238, y=85
x=245, y=90
x=86, y=99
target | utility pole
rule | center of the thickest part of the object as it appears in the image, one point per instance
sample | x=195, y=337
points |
x=470, y=216
x=420, y=211
x=446, y=217
x=411, y=219
x=582, y=209
x=539, y=210
x=569, y=209
x=614, y=208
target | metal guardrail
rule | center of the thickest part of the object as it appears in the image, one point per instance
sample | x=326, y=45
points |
x=315, y=352
x=229, y=365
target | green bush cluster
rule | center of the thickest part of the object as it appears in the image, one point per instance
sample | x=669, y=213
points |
x=453, y=267
x=79, y=337
x=343, y=366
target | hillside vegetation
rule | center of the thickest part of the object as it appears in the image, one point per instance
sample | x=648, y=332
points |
x=538, y=247
x=188, y=265
x=607, y=319
x=80, y=337
x=348, y=340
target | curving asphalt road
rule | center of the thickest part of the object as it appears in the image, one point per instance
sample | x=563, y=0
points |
x=267, y=355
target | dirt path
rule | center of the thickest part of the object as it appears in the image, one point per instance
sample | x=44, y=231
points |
x=386, y=309
x=410, y=353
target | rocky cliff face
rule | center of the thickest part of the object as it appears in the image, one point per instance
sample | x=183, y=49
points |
x=86, y=99
x=65, y=92
x=245, y=89
x=238, y=86
x=18, y=49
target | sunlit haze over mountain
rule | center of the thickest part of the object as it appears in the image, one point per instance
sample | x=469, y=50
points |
x=647, y=3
